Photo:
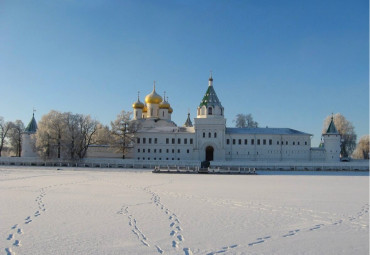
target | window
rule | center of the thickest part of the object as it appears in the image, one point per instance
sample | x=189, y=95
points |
x=240, y=141
x=148, y=150
x=264, y=141
x=233, y=141
x=166, y=158
x=227, y=141
x=286, y=143
x=178, y=141
x=173, y=140
x=210, y=110
x=185, y=141
x=160, y=158
x=167, y=151
x=150, y=140
x=305, y=143
x=143, y=150
x=209, y=135
x=160, y=150
x=215, y=135
x=270, y=142
x=148, y=158
x=204, y=134
x=297, y=143
x=245, y=141
x=293, y=143
x=277, y=142
x=155, y=150
x=258, y=141
x=167, y=140
x=138, y=158
x=173, y=158
x=252, y=141
x=138, y=150
x=178, y=150
x=191, y=140
x=144, y=140
x=155, y=140
x=138, y=140
x=187, y=151
x=173, y=150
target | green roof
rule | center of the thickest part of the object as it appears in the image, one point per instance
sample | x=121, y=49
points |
x=210, y=98
x=332, y=129
x=32, y=126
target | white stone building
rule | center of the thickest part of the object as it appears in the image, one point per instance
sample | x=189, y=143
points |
x=159, y=138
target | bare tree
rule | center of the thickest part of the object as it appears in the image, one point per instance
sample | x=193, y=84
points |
x=87, y=128
x=15, y=137
x=4, y=130
x=362, y=148
x=346, y=131
x=103, y=135
x=123, y=131
x=245, y=121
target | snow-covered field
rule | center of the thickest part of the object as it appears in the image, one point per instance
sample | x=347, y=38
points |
x=75, y=211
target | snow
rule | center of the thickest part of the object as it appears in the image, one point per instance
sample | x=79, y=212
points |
x=89, y=211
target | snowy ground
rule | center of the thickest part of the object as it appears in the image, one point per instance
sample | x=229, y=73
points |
x=45, y=211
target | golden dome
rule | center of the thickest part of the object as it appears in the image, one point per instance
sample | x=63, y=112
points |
x=170, y=110
x=138, y=105
x=145, y=109
x=164, y=105
x=153, y=98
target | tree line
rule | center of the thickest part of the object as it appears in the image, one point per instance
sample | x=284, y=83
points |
x=65, y=135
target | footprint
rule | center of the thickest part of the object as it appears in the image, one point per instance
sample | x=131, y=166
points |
x=8, y=251
x=172, y=224
x=179, y=228
x=187, y=251
x=174, y=244
x=29, y=217
x=173, y=232
x=180, y=237
x=20, y=231
x=17, y=243
x=257, y=242
x=15, y=226
x=159, y=249
x=10, y=237
x=29, y=221
x=145, y=243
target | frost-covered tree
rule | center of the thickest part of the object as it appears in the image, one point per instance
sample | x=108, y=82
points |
x=123, y=130
x=245, y=121
x=15, y=137
x=50, y=135
x=103, y=135
x=65, y=135
x=346, y=131
x=5, y=127
x=362, y=148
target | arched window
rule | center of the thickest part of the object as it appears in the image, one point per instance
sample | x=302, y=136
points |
x=210, y=110
x=215, y=134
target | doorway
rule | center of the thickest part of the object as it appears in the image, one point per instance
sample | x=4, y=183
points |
x=209, y=153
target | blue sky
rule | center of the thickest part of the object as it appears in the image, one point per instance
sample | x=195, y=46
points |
x=289, y=63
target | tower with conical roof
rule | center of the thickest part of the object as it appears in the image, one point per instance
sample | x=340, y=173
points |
x=332, y=140
x=210, y=126
x=28, y=140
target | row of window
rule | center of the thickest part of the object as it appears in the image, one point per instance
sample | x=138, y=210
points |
x=264, y=142
x=160, y=151
x=155, y=140
x=210, y=135
x=156, y=158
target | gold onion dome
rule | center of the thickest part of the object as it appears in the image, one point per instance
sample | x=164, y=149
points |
x=138, y=104
x=164, y=105
x=153, y=98
x=170, y=110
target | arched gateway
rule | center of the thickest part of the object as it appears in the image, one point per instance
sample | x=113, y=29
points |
x=209, y=153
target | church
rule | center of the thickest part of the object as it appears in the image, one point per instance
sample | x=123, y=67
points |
x=158, y=138
x=208, y=138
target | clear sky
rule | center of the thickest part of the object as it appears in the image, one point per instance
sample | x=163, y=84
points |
x=289, y=63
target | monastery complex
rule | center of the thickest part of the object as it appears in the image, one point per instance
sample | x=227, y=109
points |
x=207, y=137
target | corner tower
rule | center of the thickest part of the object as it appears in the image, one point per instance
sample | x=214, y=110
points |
x=28, y=140
x=332, y=142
